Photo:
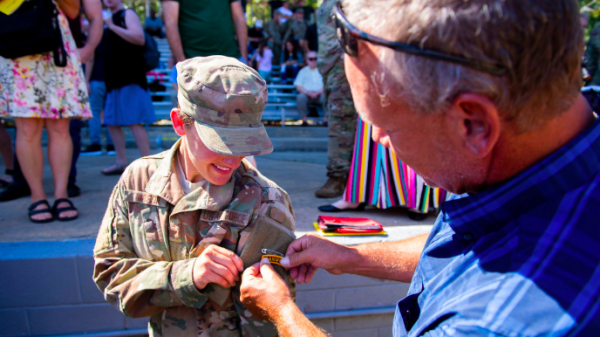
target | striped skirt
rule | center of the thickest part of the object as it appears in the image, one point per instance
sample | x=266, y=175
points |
x=377, y=177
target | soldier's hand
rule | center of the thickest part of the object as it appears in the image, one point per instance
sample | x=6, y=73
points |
x=307, y=254
x=263, y=291
x=217, y=265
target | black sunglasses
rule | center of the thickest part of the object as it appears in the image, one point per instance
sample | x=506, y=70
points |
x=312, y=58
x=348, y=37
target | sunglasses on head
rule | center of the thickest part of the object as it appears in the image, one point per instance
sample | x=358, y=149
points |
x=348, y=37
x=312, y=58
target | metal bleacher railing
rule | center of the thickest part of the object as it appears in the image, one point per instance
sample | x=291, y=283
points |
x=281, y=105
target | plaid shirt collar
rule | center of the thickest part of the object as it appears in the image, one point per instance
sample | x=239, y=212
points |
x=566, y=169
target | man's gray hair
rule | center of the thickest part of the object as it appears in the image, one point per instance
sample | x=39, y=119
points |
x=539, y=41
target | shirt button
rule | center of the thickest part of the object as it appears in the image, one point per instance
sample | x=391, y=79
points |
x=467, y=236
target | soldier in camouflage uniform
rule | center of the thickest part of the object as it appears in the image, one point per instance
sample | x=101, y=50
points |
x=181, y=225
x=339, y=103
x=296, y=29
x=274, y=32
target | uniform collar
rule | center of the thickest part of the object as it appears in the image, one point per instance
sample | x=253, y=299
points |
x=570, y=167
x=165, y=184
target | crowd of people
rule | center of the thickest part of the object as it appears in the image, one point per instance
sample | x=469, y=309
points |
x=423, y=112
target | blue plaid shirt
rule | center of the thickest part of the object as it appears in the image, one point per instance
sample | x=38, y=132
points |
x=520, y=259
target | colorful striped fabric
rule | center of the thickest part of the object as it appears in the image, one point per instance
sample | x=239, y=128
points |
x=377, y=177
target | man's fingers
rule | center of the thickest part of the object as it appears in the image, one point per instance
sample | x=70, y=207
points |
x=294, y=272
x=302, y=273
x=253, y=270
x=309, y=274
x=297, y=245
x=266, y=270
x=231, y=255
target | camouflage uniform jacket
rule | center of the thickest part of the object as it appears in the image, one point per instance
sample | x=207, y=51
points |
x=295, y=29
x=275, y=31
x=330, y=52
x=152, y=233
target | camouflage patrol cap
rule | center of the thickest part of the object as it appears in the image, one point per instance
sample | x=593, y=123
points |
x=226, y=98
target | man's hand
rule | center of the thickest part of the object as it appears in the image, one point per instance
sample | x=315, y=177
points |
x=217, y=265
x=311, y=252
x=263, y=291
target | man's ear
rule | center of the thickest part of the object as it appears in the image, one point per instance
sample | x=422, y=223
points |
x=476, y=122
x=177, y=122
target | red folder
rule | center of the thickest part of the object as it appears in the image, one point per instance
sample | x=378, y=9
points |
x=332, y=224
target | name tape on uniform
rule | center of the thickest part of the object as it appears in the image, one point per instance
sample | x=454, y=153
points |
x=227, y=215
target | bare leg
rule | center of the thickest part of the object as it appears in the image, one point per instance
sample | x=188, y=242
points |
x=116, y=133
x=60, y=153
x=31, y=158
x=6, y=151
x=141, y=139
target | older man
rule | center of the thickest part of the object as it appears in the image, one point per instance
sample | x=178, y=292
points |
x=309, y=84
x=491, y=94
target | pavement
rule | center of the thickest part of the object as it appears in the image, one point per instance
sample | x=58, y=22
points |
x=299, y=173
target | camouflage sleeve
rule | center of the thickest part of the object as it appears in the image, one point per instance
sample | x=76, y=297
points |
x=135, y=286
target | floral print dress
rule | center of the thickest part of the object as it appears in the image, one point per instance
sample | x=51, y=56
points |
x=33, y=87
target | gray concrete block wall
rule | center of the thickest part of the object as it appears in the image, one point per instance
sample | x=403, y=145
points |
x=45, y=290
x=52, y=293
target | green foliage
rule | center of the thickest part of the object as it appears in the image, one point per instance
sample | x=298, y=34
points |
x=260, y=9
x=139, y=6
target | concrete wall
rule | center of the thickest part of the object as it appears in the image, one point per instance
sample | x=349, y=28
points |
x=46, y=288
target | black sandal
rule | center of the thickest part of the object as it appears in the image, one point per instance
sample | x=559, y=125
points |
x=32, y=212
x=56, y=211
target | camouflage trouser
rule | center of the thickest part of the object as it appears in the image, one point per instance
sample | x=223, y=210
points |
x=342, y=121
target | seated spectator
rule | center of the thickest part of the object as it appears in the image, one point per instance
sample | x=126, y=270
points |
x=285, y=11
x=264, y=56
x=309, y=85
x=154, y=25
x=291, y=60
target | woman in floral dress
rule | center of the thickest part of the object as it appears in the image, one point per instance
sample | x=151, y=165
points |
x=38, y=94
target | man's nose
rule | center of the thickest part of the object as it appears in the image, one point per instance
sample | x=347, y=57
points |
x=379, y=136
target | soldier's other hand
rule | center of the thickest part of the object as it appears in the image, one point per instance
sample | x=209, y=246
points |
x=217, y=265
x=307, y=254
x=263, y=291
